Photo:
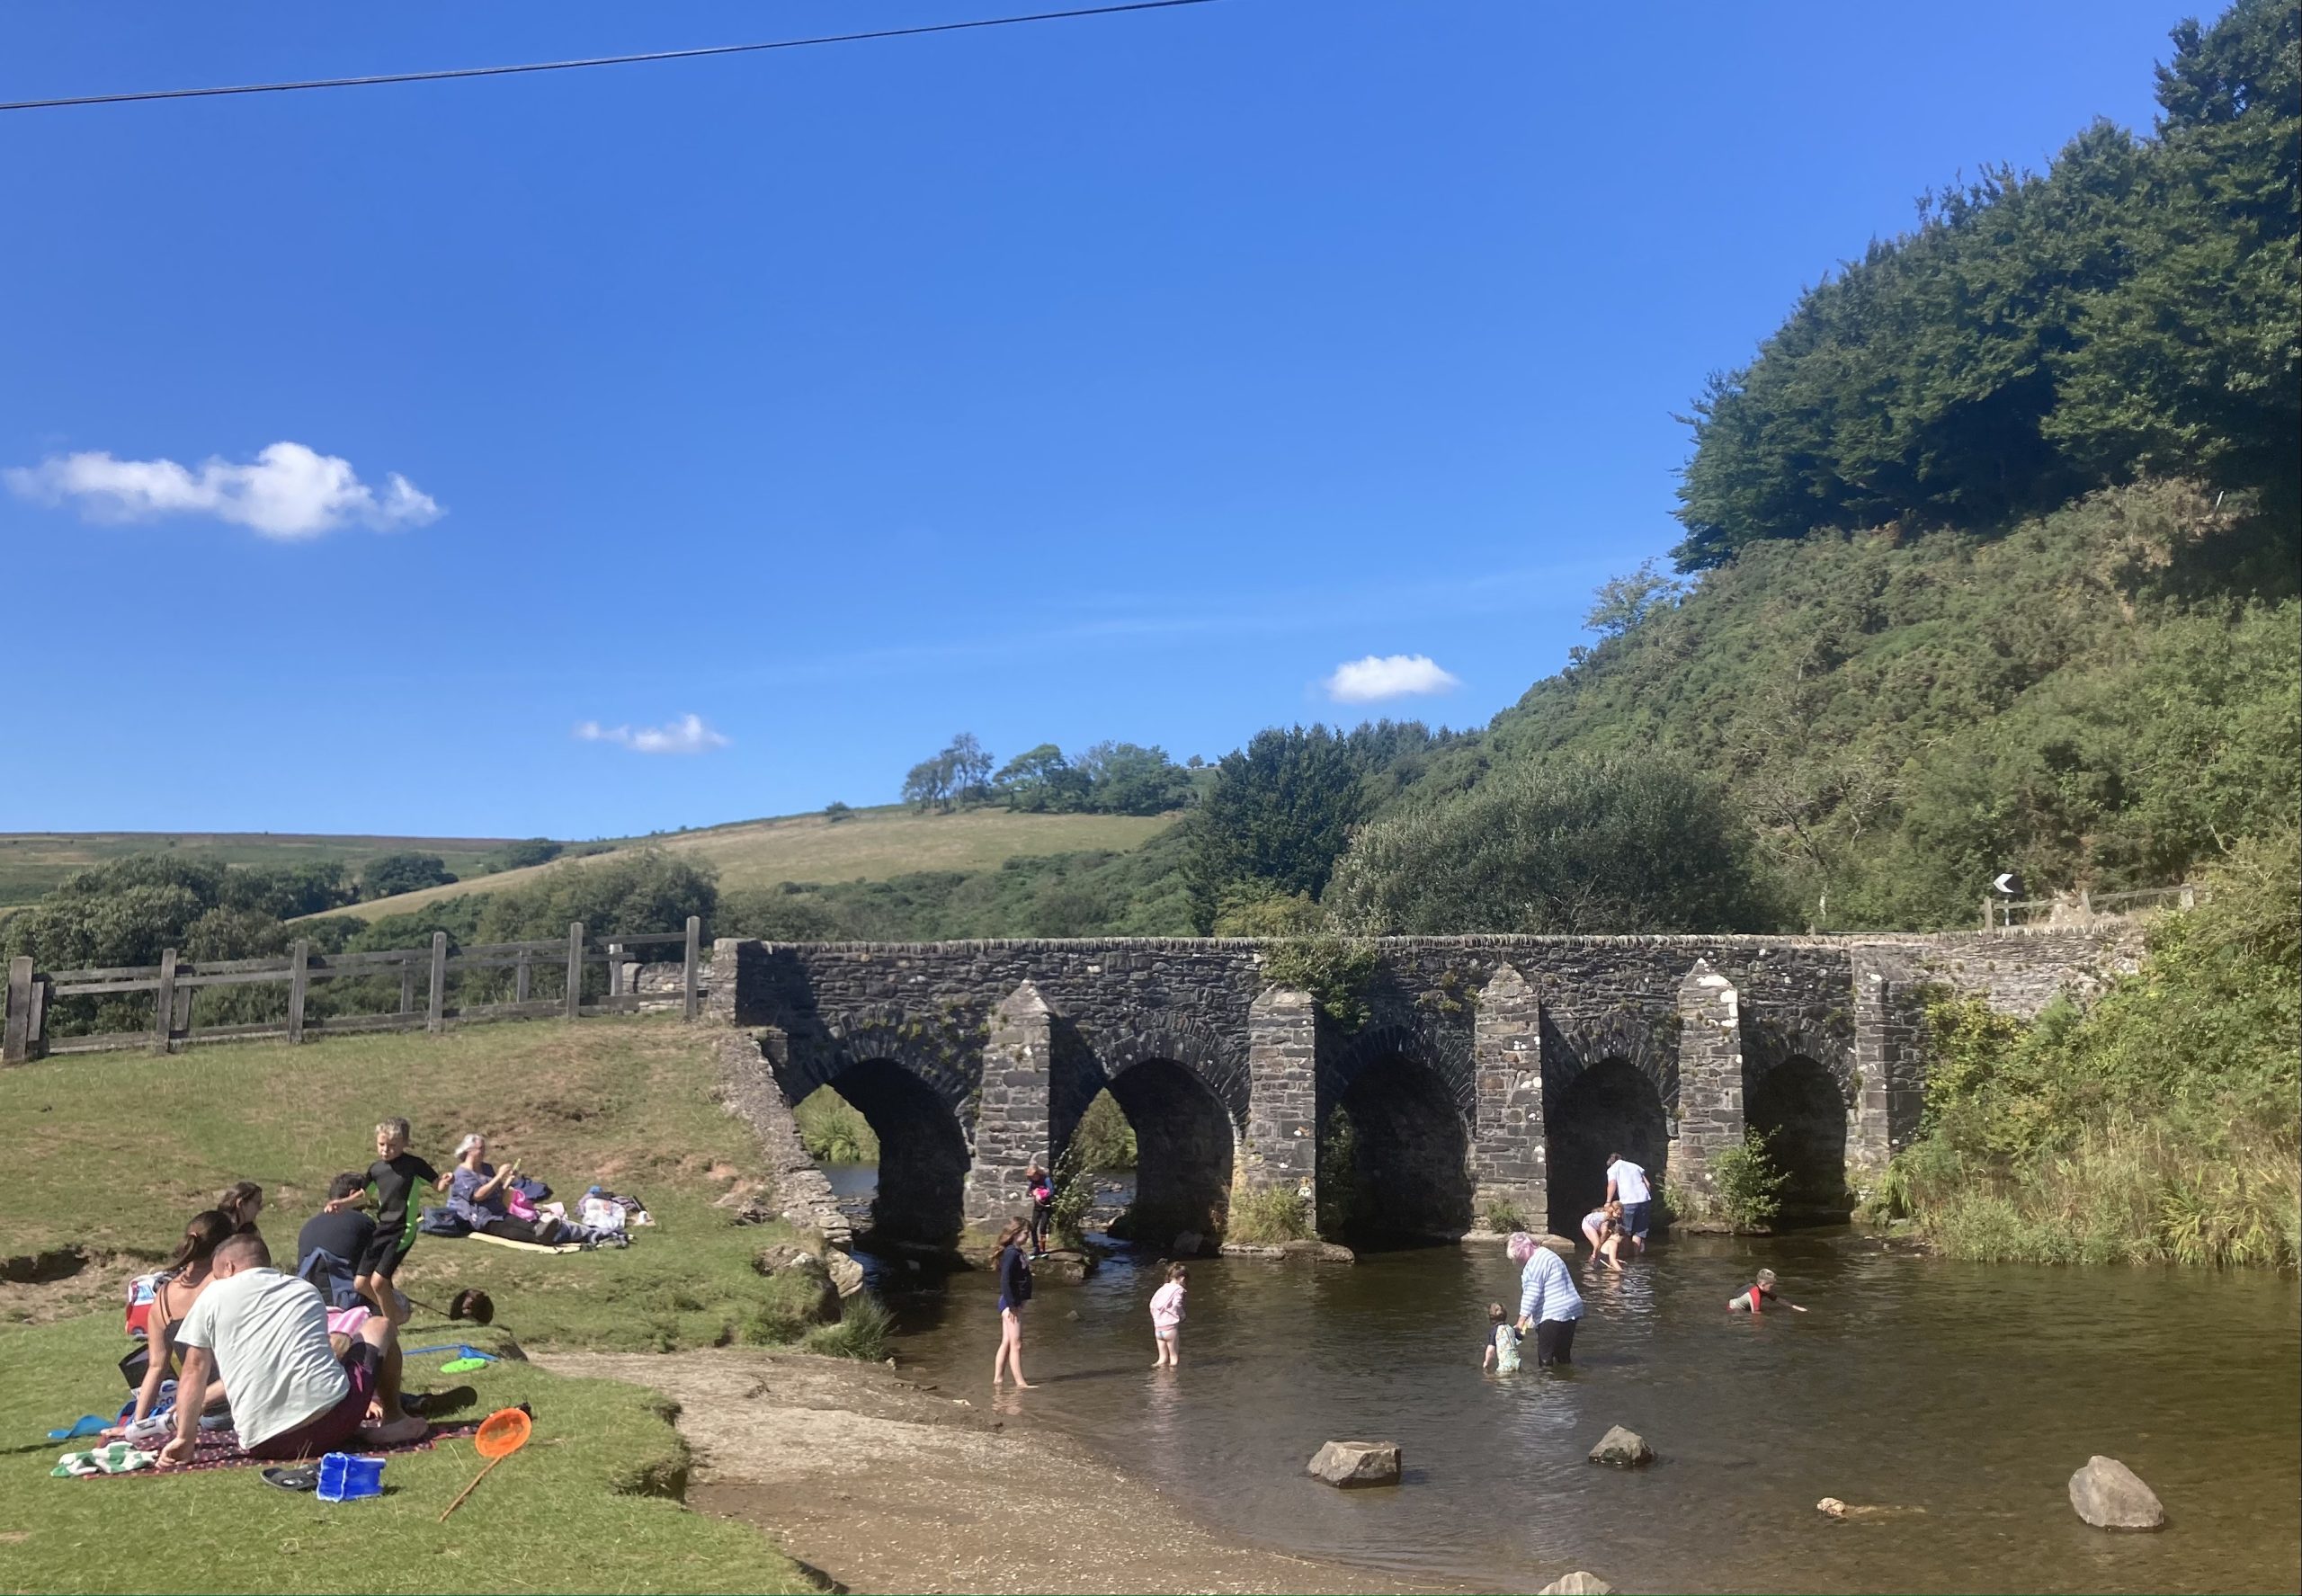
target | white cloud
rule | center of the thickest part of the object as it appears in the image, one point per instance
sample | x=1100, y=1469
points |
x=687, y=735
x=288, y=491
x=1388, y=676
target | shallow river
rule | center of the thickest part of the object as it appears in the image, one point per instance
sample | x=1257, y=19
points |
x=1967, y=1391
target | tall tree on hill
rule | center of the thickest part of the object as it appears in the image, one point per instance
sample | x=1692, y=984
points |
x=2137, y=311
x=1279, y=815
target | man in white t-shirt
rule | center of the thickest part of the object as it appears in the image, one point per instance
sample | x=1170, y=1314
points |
x=1626, y=1184
x=265, y=1334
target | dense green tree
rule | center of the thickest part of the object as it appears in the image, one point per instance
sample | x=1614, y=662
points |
x=1042, y=781
x=2137, y=311
x=522, y=855
x=626, y=893
x=1279, y=815
x=1125, y=779
x=1561, y=845
x=391, y=874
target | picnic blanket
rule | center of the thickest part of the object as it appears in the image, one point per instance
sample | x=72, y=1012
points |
x=498, y=1241
x=220, y=1449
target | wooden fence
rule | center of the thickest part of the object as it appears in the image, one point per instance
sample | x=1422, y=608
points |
x=2082, y=907
x=32, y=994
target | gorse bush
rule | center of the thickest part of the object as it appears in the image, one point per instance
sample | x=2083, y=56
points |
x=1270, y=1215
x=2162, y=1124
x=1336, y=971
x=1749, y=1183
x=1561, y=844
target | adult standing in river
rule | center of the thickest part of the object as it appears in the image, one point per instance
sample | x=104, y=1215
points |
x=1626, y=1184
x=1015, y=1291
x=1549, y=1303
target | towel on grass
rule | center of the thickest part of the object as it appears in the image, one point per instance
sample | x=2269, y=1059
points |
x=220, y=1449
x=498, y=1241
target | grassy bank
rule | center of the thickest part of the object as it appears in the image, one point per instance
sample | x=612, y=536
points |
x=112, y=1152
x=2161, y=1125
x=584, y=1506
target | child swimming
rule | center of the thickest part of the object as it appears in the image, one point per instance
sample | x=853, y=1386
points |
x=1753, y=1298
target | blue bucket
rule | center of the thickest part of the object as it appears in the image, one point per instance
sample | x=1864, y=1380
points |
x=346, y=1478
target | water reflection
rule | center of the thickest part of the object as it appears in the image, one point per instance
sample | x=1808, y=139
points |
x=1968, y=1392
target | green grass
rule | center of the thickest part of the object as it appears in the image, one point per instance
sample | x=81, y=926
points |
x=626, y=1102
x=870, y=845
x=586, y=1505
x=113, y=1152
x=33, y=862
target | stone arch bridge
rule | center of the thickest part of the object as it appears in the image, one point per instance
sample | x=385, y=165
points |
x=1492, y=1071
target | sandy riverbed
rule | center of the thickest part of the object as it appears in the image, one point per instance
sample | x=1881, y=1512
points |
x=882, y=1485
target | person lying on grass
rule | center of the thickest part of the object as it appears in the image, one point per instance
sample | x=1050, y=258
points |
x=481, y=1196
x=266, y=1335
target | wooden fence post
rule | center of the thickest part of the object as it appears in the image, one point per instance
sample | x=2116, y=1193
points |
x=1985, y=912
x=16, y=1046
x=521, y=976
x=300, y=958
x=435, y=1012
x=163, y=1001
x=688, y=975
x=615, y=969
x=407, y=985
x=574, y=969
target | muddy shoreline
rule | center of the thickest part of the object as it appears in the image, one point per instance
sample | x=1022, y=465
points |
x=882, y=1485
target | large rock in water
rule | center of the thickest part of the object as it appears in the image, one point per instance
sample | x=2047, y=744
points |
x=1352, y=1463
x=1578, y=1583
x=1623, y=1448
x=2107, y=1495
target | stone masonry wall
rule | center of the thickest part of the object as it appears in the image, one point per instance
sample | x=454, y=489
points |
x=1503, y=1025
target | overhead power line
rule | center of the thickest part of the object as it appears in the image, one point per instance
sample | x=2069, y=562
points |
x=661, y=55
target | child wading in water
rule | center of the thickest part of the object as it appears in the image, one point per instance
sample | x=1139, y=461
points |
x=1502, y=1354
x=1754, y=1299
x=1167, y=1316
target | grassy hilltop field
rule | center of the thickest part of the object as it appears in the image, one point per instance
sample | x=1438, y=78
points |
x=871, y=844
x=33, y=863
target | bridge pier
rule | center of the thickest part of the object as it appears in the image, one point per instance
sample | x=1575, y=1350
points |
x=1282, y=1147
x=1010, y=1123
x=1508, y=1164
x=1710, y=1074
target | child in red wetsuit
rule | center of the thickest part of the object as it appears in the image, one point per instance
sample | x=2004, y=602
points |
x=1758, y=1295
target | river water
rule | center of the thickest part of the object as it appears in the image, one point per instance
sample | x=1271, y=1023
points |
x=1969, y=1392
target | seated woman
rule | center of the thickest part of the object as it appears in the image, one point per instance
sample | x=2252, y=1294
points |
x=480, y=1194
x=183, y=1278
x=241, y=1203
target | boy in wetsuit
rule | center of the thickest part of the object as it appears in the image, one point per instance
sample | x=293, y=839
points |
x=392, y=1178
x=1754, y=1299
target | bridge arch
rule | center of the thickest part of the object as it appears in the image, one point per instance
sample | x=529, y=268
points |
x=1185, y=1096
x=911, y=1083
x=1800, y=1107
x=1609, y=1086
x=1395, y=1141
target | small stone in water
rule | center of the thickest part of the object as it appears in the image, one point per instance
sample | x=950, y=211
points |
x=1625, y=1449
x=2109, y=1495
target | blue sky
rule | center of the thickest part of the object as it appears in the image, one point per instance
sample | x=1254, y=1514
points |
x=1119, y=377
